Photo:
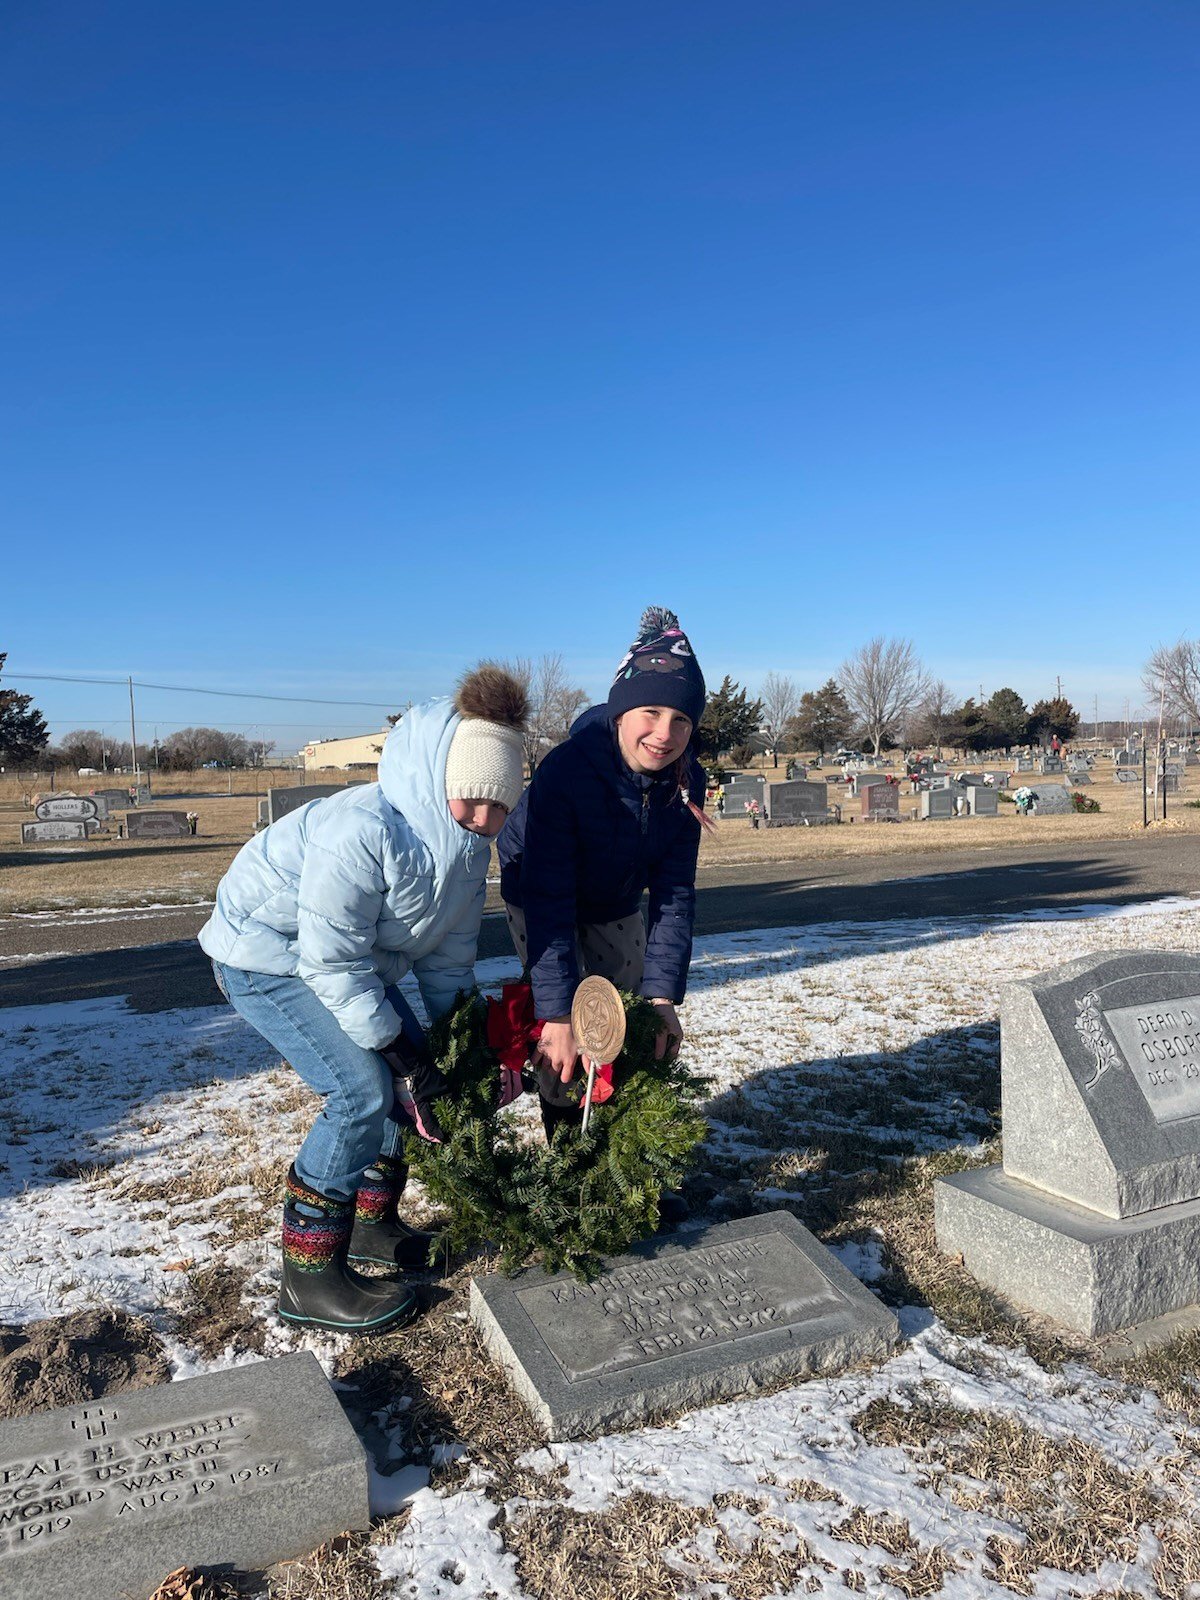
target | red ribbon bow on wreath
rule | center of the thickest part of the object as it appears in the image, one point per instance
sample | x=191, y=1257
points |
x=512, y=1032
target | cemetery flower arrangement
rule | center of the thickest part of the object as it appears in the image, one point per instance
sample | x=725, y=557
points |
x=1084, y=802
x=587, y=1194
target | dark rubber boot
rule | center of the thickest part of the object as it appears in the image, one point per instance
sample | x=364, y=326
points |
x=555, y=1117
x=380, y=1237
x=672, y=1210
x=317, y=1288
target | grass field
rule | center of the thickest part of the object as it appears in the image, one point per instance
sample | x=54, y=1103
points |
x=108, y=871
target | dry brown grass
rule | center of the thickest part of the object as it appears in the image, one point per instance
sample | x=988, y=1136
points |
x=643, y=1548
x=343, y=1569
x=619, y=1554
x=108, y=871
x=925, y=1567
x=1072, y=1507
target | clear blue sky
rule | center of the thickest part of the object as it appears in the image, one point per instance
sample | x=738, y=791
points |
x=344, y=345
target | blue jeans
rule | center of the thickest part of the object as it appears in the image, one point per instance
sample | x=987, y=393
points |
x=360, y=1119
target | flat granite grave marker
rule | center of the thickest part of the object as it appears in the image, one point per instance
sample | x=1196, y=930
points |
x=157, y=825
x=236, y=1470
x=677, y=1323
x=1094, y=1218
x=798, y=803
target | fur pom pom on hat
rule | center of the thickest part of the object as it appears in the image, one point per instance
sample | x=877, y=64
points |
x=486, y=760
x=659, y=669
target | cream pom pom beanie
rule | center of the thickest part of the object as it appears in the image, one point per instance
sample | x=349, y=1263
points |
x=486, y=760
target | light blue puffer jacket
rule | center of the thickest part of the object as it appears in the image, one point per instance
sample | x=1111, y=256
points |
x=351, y=892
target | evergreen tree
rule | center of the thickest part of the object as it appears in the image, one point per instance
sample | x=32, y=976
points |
x=970, y=729
x=23, y=729
x=729, y=719
x=823, y=720
x=1050, y=717
x=1009, y=717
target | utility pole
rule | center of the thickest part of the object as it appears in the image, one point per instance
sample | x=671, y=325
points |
x=133, y=738
x=1058, y=688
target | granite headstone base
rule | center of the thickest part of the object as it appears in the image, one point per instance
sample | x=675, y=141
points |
x=1092, y=1273
x=679, y=1323
x=235, y=1470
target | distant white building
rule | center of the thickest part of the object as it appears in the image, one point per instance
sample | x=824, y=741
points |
x=343, y=755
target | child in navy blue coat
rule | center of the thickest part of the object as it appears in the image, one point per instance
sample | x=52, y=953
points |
x=610, y=815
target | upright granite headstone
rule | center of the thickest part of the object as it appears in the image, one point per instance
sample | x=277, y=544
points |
x=738, y=791
x=881, y=803
x=936, y=804
x=982, y=801
x=66, y=807
x=866, y=780
x=235, y=1470
x=676, y=1324
x=1052, y=799
x=797, y=803
x=156, y=825
x=280, y=802
x=1094, y=1218
x=57, y=830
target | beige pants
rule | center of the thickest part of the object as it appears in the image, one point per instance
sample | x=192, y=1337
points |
x=612, y=950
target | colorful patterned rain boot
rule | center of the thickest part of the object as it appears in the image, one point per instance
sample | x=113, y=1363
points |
x=380, y=1237
x=317, y=1288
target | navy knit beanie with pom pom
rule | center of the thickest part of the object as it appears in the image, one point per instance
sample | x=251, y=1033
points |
x=659, y=669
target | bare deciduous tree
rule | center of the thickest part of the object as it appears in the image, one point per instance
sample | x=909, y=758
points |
x=932, y=716
x=883, y=681
x=1172, y=678
x=779, y=699
x=554, y=703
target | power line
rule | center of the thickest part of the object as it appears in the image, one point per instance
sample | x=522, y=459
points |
x=168, y=722
x=179, y=688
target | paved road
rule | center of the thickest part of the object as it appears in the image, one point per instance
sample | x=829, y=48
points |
x=152, y=957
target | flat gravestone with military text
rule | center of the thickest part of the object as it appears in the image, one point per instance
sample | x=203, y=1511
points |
x=237, y=1469
x=676, y=1324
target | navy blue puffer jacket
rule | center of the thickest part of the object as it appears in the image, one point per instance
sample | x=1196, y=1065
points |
x=586, y=839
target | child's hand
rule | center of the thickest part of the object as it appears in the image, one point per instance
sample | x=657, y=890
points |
x=670, y=1031
x=557, y=1048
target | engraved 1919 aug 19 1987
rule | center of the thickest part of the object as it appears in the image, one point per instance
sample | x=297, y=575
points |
x=204, y=1472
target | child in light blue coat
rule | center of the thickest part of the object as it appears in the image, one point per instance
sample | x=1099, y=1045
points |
x=316, y=921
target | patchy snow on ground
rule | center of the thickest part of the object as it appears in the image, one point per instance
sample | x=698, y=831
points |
x=131, y=1142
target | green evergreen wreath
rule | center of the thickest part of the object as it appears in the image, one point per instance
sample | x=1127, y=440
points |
x=585, y=1196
